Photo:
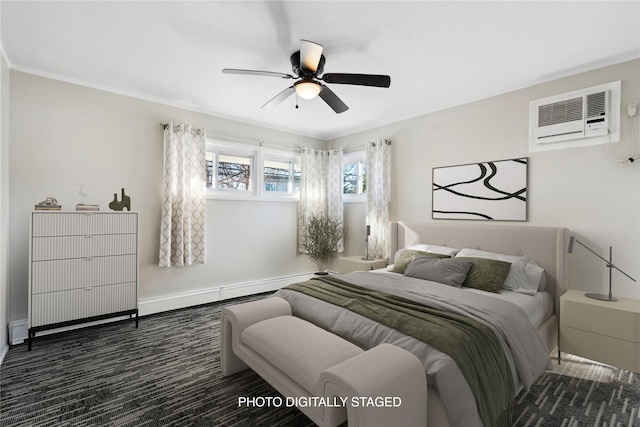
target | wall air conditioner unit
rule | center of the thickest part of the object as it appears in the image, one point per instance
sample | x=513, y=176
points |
x=586, y=117
x=576, y=118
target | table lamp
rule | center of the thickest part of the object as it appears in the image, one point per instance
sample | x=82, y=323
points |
x=610, y=266
x=366, y=243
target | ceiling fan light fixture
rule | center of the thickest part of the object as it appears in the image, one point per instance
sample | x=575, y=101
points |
x=308, y=65
x=307, y=89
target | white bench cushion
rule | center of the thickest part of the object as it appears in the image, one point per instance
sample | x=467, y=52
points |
x=298, y=348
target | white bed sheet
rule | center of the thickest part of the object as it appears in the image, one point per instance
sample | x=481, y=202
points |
x=538, y=307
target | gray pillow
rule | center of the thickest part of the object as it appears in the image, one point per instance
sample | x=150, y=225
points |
x=449, y=271
x=404, y=256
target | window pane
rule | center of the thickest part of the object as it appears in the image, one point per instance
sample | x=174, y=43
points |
x=210, y=160
x=234, y=172
x=350, y=178
x=277, y=176
x=296, y=178
x=363, y=167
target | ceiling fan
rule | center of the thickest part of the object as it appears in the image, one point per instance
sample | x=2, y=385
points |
x=308, y=65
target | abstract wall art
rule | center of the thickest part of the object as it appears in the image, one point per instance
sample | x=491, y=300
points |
x=483, y=191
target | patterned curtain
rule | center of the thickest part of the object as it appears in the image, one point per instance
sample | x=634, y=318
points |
x=378, y=196
x=320, y=187
x=183, y=226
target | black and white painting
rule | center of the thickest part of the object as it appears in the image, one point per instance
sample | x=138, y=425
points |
x=484, y=191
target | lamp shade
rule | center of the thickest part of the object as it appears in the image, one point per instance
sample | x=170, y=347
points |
x=307, y=89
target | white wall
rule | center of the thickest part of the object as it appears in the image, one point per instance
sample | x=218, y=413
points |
x=4, y=204
x=65, y=135
x=578, y=188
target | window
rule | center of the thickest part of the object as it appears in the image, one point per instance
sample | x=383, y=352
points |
x=354, y=176
x=233, y=171
x=228, y=171
x=282, y=176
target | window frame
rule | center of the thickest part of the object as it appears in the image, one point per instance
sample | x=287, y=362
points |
x=258, y=155
x=361, y=158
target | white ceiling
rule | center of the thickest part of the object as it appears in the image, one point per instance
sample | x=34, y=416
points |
x=438, y=54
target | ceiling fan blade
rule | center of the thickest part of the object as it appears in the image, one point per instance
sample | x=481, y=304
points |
x=376, y=80
x=279, y=98
x=332, y=100
x=257, y=73
x=310, y=54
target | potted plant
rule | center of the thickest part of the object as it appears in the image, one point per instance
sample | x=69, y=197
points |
x=321, y=235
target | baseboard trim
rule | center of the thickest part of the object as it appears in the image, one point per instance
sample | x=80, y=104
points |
x=150, y=306
x=188, y=299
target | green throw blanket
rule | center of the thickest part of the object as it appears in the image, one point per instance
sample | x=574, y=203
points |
x=473, y=345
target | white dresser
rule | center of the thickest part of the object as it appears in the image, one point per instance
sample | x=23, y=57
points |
x=83, y=266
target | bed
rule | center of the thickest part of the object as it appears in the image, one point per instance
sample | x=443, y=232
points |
x=525, y=343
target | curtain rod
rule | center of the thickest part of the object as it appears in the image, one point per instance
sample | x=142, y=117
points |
x=243, y=140
x=265, y=144
x=364, y=147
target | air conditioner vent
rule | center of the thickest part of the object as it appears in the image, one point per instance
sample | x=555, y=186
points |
x=579, y=118
x=560, y=112
x=596, y=104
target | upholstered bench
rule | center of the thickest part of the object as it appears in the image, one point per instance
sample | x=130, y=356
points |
x=383, y=386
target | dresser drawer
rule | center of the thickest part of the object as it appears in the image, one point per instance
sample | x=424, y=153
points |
x=75, y=273
x=606, y=349
x=64, y=247
x=57, y=307
x=81, y=223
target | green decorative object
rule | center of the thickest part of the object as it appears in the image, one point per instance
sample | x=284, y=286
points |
x=321, y=237
x=125, y=202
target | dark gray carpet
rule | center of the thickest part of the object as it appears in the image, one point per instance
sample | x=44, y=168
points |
x=580, y=392
x=167, y=373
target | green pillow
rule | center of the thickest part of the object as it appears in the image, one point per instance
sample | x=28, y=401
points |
x=486, y=274
x=404, y=256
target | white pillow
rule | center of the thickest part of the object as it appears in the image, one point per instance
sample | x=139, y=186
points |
x=434, y=249
x=525, y=276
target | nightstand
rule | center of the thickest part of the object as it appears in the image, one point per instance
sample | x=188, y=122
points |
x=348, y=264
x=608, y=332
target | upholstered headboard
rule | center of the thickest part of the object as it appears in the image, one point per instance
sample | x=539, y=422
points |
x=545, y=245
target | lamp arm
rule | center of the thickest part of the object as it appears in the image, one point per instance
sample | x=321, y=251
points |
x=613, y=266
x=609, y=263
x=593, y=252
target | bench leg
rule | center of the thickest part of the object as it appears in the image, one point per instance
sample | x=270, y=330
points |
x=385, y=386
x=229, y=362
